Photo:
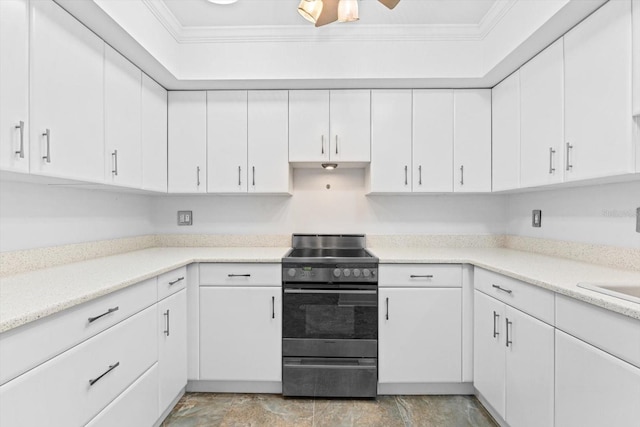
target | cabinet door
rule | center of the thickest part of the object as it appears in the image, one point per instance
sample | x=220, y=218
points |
x=122, y=96
x=14, y=85
x=227, y=141
x=593, y=388
x=390, y=170
x=529, y=370
x=598, y=118
x=472, y=140
x=172, y=347
x=505, y=117
x=489, y=350
x=542, y=118
x=420, y=335
x=240, y=333
x=308, y=125
x=154, y=135
x=187, y=142
x=268, y=164
x=432, y=141
x=350, y=126
x=67, y=96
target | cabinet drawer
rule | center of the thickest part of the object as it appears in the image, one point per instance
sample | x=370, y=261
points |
x=612, y=332
x=230, y=274
x=60, y=389
x=171, y=282
x=535, y=301
x=28, y=346
x=420, y=275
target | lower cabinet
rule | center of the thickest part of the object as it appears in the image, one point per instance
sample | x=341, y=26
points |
x=240, y=333
x=172, y=347
x=513, y=362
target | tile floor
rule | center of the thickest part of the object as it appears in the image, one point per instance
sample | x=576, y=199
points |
x=215, y=409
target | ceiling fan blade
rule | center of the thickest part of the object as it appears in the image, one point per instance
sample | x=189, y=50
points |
x=390, y=3
x=329, y=12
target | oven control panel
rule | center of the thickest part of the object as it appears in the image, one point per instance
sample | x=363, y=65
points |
x=334, y=273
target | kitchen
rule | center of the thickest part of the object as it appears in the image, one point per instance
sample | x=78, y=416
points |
x=98, y=218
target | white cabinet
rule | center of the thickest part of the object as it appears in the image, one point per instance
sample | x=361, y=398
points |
x=66, y=96
x=268, y=142
x=308, y=125
x=432, y=164
x=187, y=142
x=14, y=85
x=390, y=169
x=154, y=135
x=505, y=117
x=598, y=115
x=172, y=347
x=635, y=5
x=122, y=115
x=593, y=388
x=542, y=146
x=472, y=140
x=240, y=333
x=513, y=362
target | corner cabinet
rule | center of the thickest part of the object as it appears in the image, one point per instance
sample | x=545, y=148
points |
x=154, y=135
x=505, y=118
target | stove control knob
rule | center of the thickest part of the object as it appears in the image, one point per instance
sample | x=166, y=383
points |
x=347, y=272
x=291, y=272
x=356, y=272
x=337, y=272
x=366, y=272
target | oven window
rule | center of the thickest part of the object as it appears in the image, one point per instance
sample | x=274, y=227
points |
x=323, y=320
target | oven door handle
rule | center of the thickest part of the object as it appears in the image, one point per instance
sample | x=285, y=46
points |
x=328, y=291
x=290, y=365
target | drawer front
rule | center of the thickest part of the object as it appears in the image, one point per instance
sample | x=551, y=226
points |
x=420, y=275
x=243, y=274
x=612, y=332
x=60, y=389
x=137, y=406
x=26, y=347
x=172, y=282
x=537, y=302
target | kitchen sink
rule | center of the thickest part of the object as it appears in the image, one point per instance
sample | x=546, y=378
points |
x=626, y=292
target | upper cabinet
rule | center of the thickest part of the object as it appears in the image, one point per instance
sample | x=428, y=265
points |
x=329, y=126
x=542, y=118
x=154, y=135
x=122, y=115
x=598, y=115
x=505, y=117
x=14, y=85
x=636, y=61
x=187, y=142
x=472, y=140
x=66, y=96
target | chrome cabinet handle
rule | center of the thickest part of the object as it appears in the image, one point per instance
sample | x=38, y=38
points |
x=336, y=144
x=423, y=276
x=109, y=311
x=47, y=135
x=166, y=314
x=239, y=175
x=176, y=281
x=406, y=177
x=253, y=176
x=551, y=153
x=273, y=307
x=461, y=174
x=21, y=150
x=502, y=289
x=198, y=176
x=111, y=368
x=496, y=316
x=420, y=175
x=114, y=157
x=387, y=315
x=321, y=144
x=507, y=331
x=569, y=148
x=238, y=275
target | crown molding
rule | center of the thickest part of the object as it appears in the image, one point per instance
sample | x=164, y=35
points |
x=332, y=33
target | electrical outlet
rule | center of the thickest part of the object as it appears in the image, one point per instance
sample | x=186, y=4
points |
x=185, y=217
x=536, y=218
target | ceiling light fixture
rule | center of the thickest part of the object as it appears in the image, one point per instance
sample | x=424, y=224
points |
x=323, y=12
x=348, y=10
x=329, y=166
x=310, y=9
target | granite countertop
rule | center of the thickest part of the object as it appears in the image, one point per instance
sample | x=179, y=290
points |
x=30, y=296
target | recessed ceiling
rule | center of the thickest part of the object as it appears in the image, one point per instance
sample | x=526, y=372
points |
x=201, y=13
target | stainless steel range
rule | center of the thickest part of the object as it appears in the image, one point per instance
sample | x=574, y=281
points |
x=330, y=317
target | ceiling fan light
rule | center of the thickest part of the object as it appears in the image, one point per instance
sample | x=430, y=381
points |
x=310, y=9
x=348, y=10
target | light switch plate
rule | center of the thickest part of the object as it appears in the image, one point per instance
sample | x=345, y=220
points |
x=185, y=217
x=536, y=218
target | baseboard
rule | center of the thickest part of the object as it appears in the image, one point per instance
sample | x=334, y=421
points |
x=234, y=386
x=426, y=388
x=494, y=414
x=167, y=411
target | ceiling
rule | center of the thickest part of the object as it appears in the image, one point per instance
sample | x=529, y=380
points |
x=251, y=13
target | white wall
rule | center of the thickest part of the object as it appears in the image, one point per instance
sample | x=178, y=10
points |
x=342, y=209
x=35, y=215
x=603, y=214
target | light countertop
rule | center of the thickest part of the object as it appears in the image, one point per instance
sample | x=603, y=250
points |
x=31, y=296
